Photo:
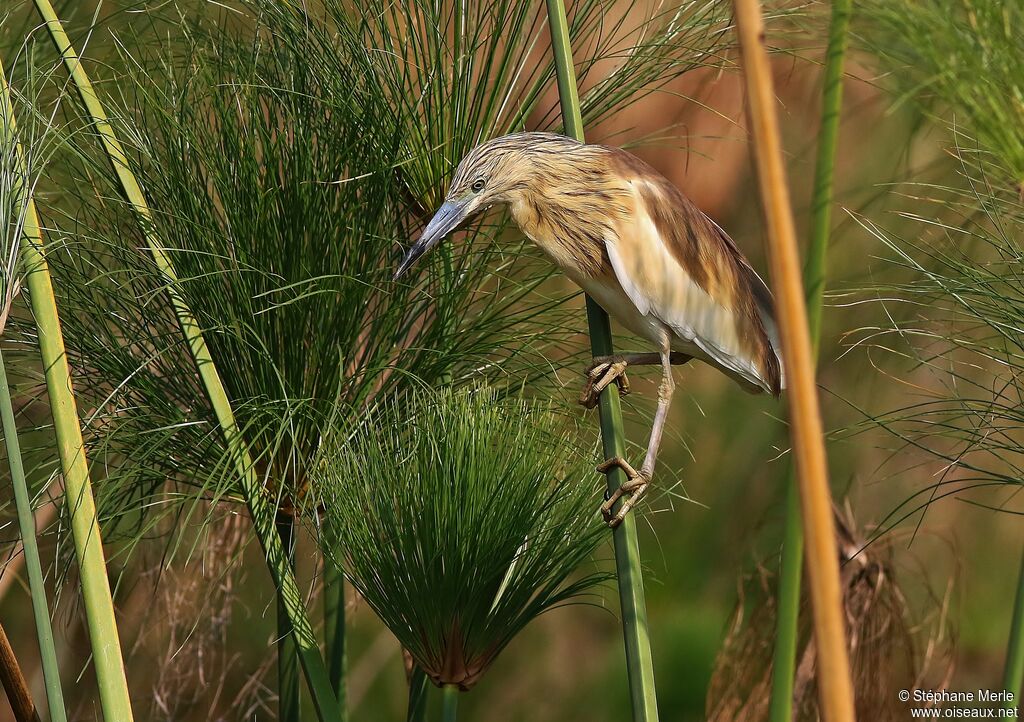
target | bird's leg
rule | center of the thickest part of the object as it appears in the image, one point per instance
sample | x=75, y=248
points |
x=606, y=369
x=636, y=482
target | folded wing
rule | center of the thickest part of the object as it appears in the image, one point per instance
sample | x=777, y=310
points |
x=679, y=267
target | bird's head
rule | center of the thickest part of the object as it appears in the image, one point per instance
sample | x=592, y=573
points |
x=491, y=174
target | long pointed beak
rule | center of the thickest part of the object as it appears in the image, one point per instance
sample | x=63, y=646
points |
x=446, y=220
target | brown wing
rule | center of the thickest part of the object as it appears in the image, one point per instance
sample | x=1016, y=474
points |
x=678, y=266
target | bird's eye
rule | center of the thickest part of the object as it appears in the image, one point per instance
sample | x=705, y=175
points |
x=478, y=185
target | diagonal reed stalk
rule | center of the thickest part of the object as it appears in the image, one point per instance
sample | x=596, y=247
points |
x=834, y=683
x=639, y=660
x=1014, y=669
x=27, y=523
x=12, y=679
x=259, y=508
x=787, y=620
x=14, y=182
x=99, y=606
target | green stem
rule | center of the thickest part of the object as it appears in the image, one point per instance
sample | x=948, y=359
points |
x=787, y=623
x=418, y=685
x=27, y=522
x=252, y=488
x=824, y=171
x=1014, y=670
x=85, y=530
x=334, y=630
x=287, y=660
x=633, y=607
x=449, y=703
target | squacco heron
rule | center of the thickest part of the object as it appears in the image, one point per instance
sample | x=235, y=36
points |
x=633, y=242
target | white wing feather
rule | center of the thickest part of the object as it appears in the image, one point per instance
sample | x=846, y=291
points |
x=661, y=288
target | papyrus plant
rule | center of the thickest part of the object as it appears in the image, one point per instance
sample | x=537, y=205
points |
x=460, y=517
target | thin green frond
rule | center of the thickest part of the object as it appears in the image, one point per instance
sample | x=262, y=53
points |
x=960, y=60
x=99, y=608
x=287, y=157
x=277, y=557
x=460, y=517
x=957, y=326
x=286, y=163
x=15, y=177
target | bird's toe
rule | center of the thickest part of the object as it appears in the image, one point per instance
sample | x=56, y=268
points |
x=629, y=491
x=600, y=375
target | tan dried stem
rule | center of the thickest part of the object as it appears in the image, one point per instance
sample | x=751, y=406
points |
x=14, y=682
x=835, y=687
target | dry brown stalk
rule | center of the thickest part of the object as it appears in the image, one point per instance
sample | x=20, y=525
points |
x=14, y=682
x=806, y=431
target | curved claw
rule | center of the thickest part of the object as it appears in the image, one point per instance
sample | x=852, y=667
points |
x=633, y=489
x=599, y=375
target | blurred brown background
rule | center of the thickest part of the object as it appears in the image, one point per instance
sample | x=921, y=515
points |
x=722, y=471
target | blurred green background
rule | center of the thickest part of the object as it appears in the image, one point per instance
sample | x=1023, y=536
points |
x=199, y=635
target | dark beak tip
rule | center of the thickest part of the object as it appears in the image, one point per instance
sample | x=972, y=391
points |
x=447, y=218
x=407, y=262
